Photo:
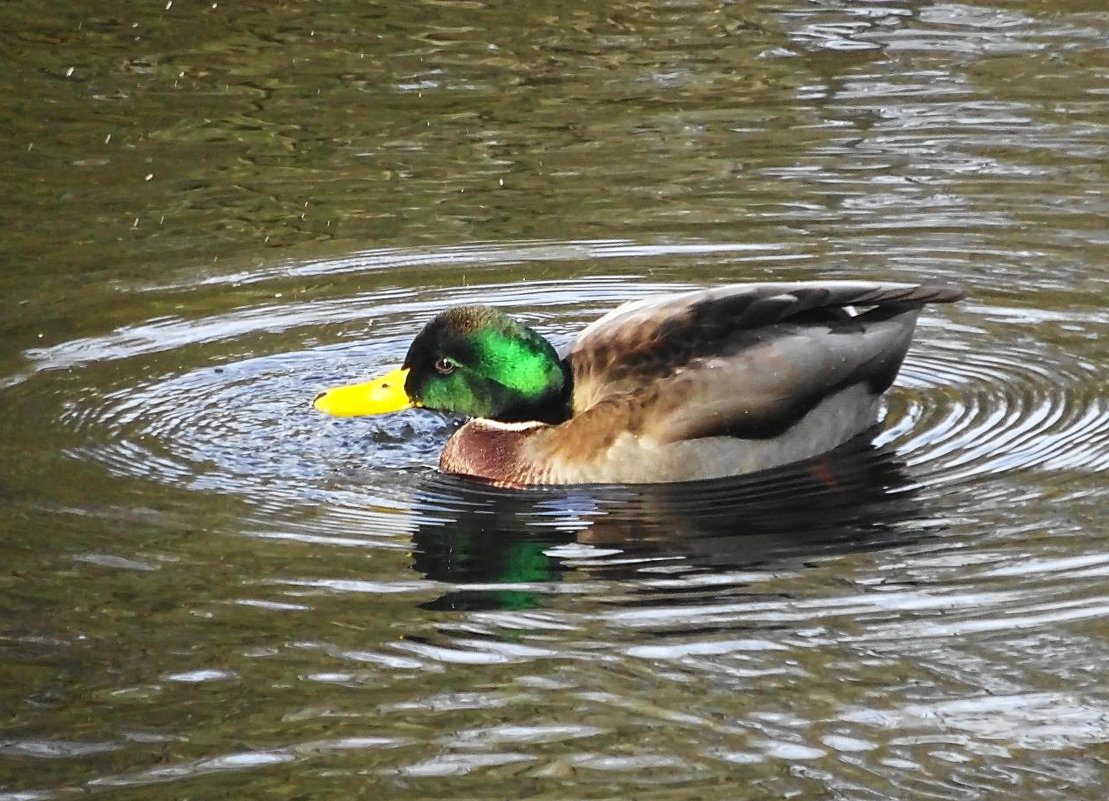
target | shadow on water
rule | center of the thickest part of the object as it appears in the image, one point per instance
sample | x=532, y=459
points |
x=494, y=545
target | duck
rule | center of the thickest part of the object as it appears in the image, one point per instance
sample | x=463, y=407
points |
x=685, y=386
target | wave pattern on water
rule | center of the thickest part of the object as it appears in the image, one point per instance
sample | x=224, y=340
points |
x=966, y=405
x=918, y=616
x=695, y=580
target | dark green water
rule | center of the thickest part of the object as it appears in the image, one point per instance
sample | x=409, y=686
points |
x=212, y=210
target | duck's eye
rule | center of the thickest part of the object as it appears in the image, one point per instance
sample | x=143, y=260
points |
x=445, y=366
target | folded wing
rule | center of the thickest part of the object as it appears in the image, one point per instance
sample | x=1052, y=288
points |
x=746, y=360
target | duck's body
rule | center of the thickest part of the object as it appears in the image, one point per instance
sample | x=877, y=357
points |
x=680, y=387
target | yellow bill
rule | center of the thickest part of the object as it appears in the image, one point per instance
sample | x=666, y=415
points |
x=382, y=395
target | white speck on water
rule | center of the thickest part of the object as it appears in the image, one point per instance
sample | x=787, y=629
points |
x=194, y=676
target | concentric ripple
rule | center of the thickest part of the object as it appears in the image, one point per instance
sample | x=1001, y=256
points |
x=969, y=404
x=967, y=411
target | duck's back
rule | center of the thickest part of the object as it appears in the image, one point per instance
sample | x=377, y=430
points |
x=729, y=380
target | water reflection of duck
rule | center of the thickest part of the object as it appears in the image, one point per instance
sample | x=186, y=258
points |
x=498, y=548
x=696, y=385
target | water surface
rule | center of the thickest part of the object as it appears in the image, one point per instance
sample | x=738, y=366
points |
x=208, y=590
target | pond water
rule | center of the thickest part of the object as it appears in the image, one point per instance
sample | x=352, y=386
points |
x=208, y=590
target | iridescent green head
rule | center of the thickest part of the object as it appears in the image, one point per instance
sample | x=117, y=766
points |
x=477, y=361
x=473, y=360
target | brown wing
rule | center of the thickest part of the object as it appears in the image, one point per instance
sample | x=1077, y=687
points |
x=744, y=359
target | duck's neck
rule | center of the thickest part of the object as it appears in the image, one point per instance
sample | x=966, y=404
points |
x=552, y=407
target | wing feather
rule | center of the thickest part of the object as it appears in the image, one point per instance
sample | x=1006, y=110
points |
x=745, y=359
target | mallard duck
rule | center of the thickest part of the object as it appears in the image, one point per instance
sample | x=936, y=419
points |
x=687, y=386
